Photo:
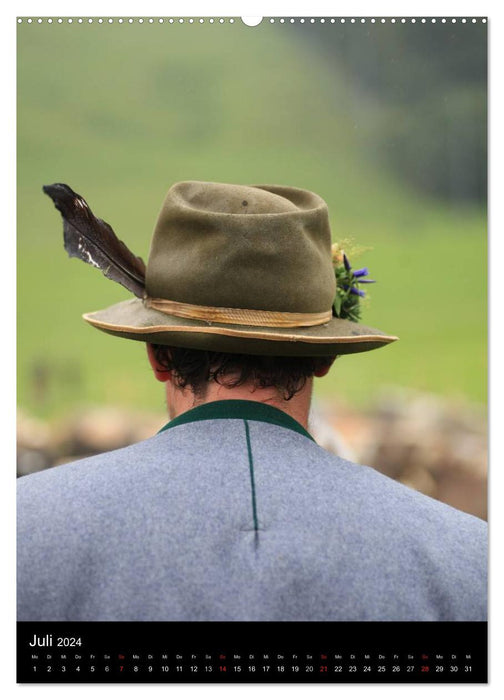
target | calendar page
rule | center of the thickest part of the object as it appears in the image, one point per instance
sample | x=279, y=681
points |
x=261, y=195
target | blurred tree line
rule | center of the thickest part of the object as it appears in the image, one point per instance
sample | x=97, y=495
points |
x=420, y=93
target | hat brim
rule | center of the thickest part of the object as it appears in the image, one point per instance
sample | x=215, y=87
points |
x=131, y=319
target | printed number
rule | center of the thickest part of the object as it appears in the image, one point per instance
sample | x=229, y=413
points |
x=439, y=669
x=381, y=669
x=165, y=669
x=410, y=669
x=468, y=669
x=309, y=669
x=454, y=669
x=352, y=669
x=323, y=669
x=338, y=669
x=69, y=642
x=396, y=669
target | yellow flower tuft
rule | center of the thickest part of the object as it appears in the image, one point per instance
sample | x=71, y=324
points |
x=349, y=247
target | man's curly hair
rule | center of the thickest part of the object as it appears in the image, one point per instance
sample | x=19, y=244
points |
x=197, y=368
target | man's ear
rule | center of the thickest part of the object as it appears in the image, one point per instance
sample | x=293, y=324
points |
x=322, y=371
x=161, y=374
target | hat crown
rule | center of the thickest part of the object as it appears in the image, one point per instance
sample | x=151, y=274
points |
x=218, y=198
x=260, y=247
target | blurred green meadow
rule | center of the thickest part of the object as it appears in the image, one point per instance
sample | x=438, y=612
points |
x=121, y=112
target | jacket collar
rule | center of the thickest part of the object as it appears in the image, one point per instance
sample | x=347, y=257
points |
x=239, y=409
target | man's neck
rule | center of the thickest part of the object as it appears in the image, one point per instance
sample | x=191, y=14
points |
x=181, y=400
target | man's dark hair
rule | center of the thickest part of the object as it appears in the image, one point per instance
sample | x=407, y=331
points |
x=196, y=368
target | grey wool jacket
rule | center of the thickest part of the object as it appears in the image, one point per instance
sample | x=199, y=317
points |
x=234, y=513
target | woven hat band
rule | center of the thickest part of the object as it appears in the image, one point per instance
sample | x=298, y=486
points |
x=242, y=317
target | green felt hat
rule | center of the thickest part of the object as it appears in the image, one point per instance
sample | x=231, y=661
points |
x=241, y=269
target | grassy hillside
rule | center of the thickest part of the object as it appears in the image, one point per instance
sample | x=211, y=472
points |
x=121, y=112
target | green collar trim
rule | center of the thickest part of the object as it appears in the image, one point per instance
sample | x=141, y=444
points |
x=240, y=409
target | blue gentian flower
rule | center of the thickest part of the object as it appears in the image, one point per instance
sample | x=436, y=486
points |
x=361, y=273
x=354, y=290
